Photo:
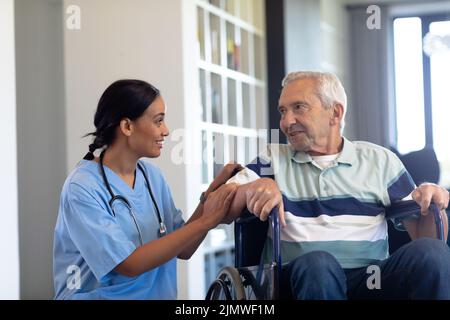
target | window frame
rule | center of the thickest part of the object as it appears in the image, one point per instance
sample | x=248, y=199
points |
x=426, y=21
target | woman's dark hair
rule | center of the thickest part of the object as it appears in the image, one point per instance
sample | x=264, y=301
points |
x=122, y=99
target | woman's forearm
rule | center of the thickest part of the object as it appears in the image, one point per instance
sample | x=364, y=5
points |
x=196, y=240
x=160, y=251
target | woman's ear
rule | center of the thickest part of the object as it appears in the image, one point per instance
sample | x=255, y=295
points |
x=126, y=126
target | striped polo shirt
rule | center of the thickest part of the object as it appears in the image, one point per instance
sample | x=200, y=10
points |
x=339, y=209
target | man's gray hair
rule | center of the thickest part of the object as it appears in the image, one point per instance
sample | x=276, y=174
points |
x=329, y=89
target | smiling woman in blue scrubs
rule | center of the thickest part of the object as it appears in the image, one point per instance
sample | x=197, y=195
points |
x=118, y=232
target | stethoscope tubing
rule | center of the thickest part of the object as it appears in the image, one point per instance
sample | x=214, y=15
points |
x=114, y=197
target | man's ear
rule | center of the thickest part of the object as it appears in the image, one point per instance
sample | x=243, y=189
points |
x=338, y=113
x=126, y=126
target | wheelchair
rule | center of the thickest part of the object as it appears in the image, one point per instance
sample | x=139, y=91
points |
x=249, y=279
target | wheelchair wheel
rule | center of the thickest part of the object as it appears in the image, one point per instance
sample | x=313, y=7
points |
x=253, y=290
x=227, y=286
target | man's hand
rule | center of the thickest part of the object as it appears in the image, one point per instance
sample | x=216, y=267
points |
x=427, y=192
x=425, y=226
x=262, y=196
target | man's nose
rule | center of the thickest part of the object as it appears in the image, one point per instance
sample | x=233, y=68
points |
x=288, y=118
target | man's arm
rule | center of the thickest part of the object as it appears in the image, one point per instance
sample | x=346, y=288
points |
x=260, y=197
x=425, y=226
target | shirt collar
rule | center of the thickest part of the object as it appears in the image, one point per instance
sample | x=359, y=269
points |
x=347, y=156
x=348, y=153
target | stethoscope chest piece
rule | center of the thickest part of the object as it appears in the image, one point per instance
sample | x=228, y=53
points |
x=162, y=230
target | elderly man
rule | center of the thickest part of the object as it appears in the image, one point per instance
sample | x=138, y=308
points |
x=332, y=194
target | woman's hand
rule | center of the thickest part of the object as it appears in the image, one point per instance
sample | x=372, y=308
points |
x=218, y=204
x=224, y=175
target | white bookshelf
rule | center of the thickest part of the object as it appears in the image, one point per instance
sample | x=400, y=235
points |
x=232, y=78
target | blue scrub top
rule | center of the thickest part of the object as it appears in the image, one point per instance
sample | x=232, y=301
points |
x=89, y=242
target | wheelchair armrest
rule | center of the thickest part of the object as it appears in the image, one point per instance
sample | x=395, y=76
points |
x=250, y=234
x=409, y=209
x=403, y=210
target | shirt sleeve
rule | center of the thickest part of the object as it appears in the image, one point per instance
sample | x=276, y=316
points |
x=397, y=180
x=260, y=167
x=399, y=187
x=175, y=214
x=95, y=232
x=244, y=176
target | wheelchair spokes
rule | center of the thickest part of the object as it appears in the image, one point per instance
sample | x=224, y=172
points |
x=227, y=286
x=219, y=291
x=241, y=284
x=254, y=291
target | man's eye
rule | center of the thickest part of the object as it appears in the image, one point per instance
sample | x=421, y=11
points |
x=300, y=106
x=282, y=111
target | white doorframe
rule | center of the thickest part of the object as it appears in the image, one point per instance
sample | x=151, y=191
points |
x=9, y=230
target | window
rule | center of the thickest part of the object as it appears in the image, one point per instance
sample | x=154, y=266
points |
x=422, y=74
x=440, y=98
x=409, y=84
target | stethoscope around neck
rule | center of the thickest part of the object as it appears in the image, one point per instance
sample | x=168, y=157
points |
x=115, y=197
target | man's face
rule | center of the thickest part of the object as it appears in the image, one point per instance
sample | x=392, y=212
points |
x=303, y=120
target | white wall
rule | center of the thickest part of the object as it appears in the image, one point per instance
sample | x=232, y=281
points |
x=302, y=35
x=40, y=136
x=117, y=40
x=335, y=39
x=317, y=38
x=151, y=40
x=9, y=230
